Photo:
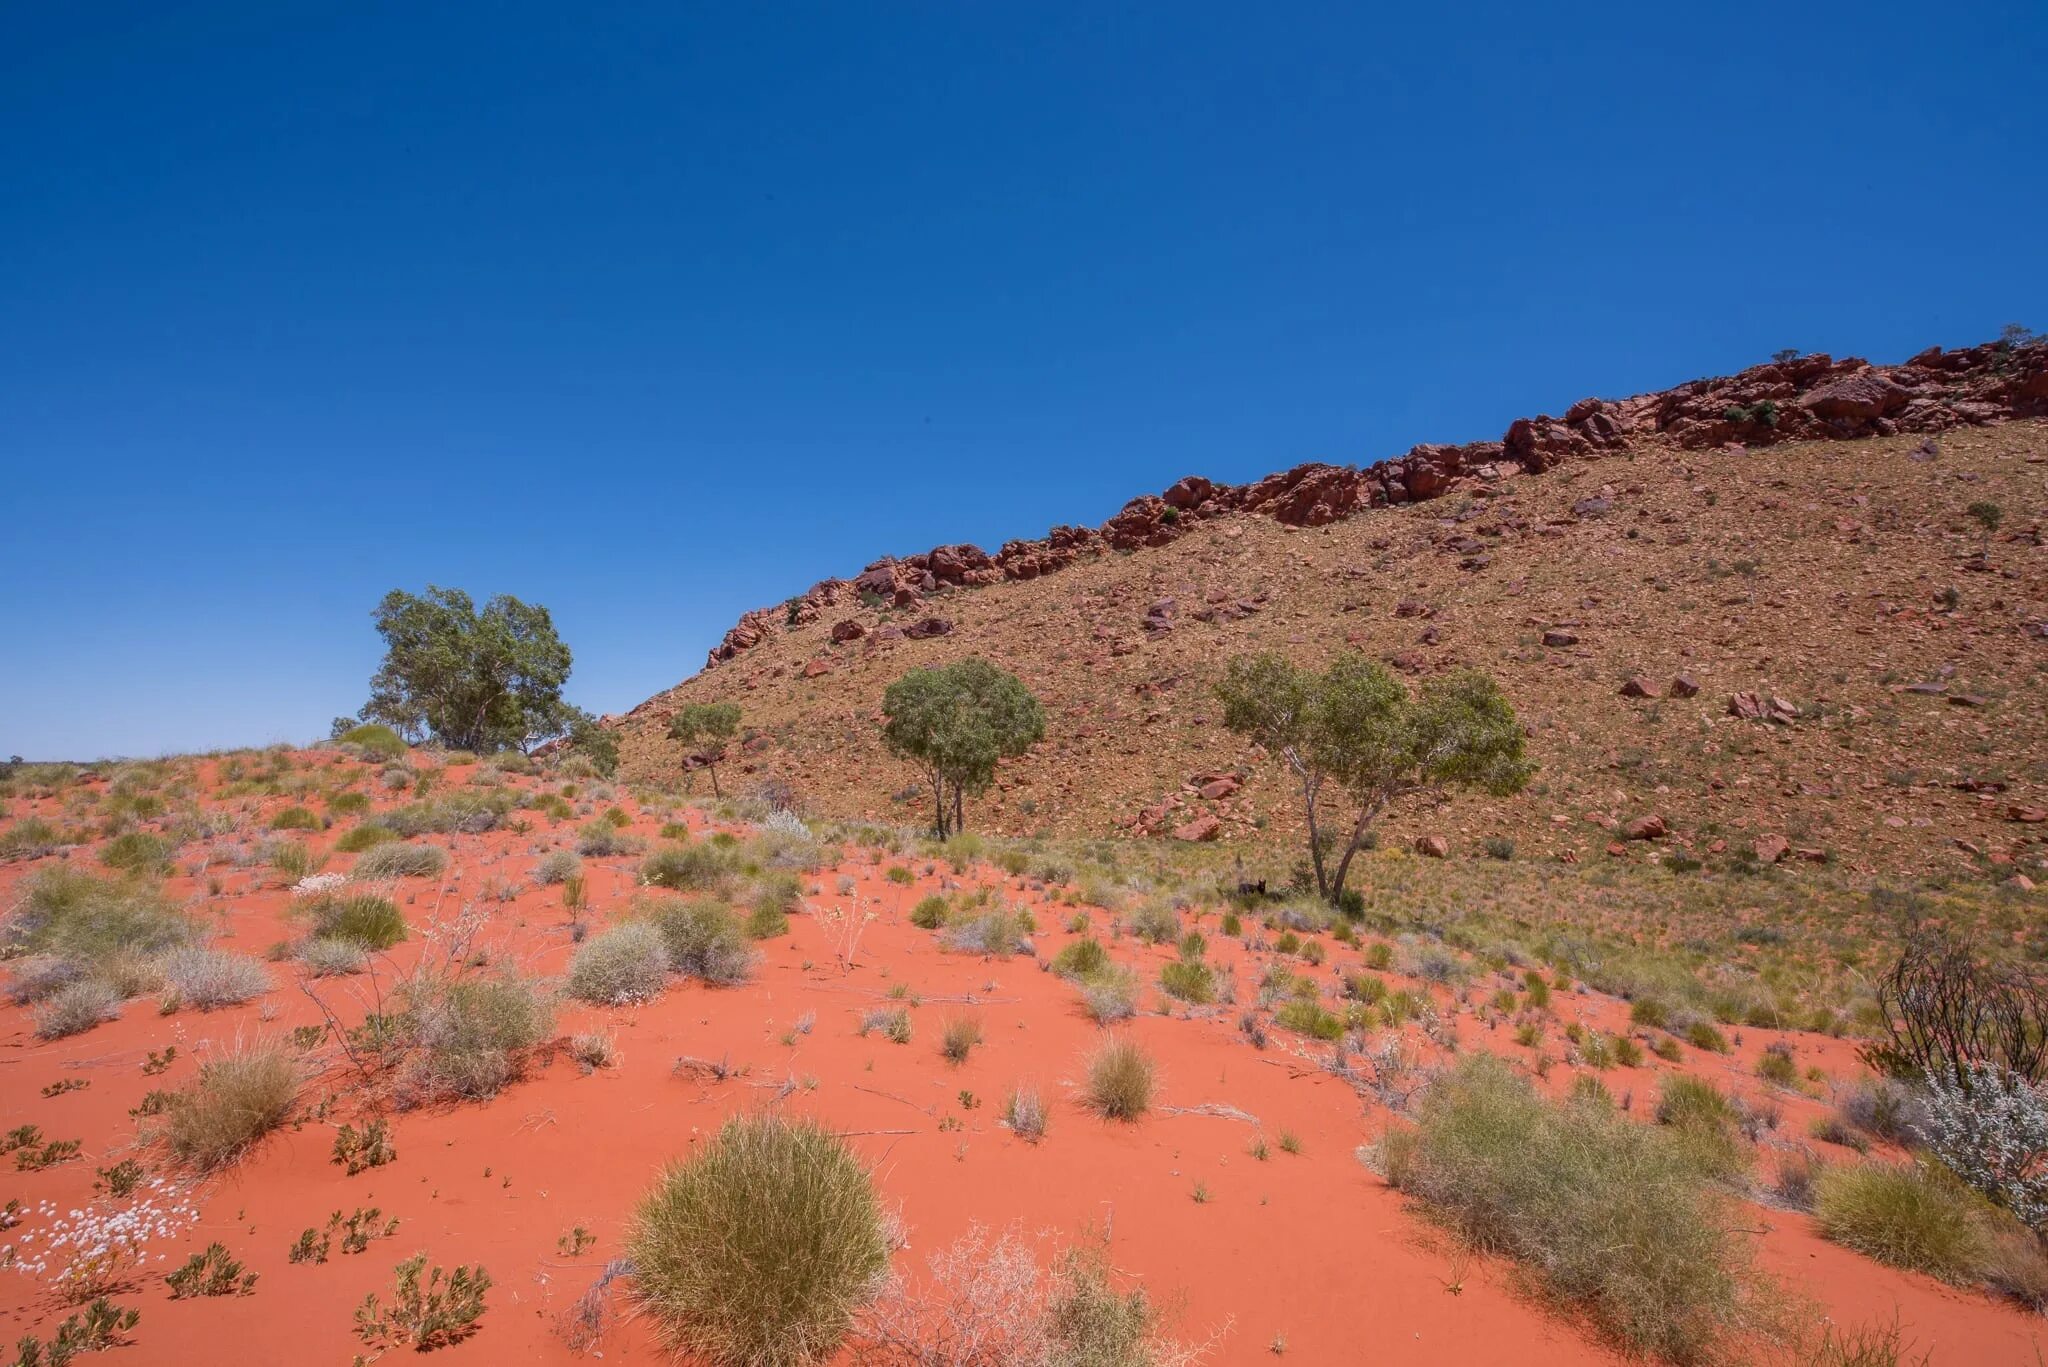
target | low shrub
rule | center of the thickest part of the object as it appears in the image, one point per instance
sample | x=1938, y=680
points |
x=1081, y=959
x=366, y=836
x=1704, y=1122
x=704, y=940
x=235, y=1100
x=1604, y=1214
x=704, y=868
x=423, y=1316
x=958, y=1036
x=628, y=963
x=75, y=1008
x=333, y=958
x=1110, y=996
x=295, y=819
x=1189, y=980
x=375, y=740
x=137, y=852
x=1025, y=1113
x=1120, y=1081
x=209, y=978
x=72, y=915
x=758, y=1250
x=929, y=913
x=994, y=932
x=30, y=838
x=1914, y=1215
x=471, y=1034
x=397, y=860
x=557, y=866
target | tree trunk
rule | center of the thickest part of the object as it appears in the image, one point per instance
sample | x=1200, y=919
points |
x=959, y=817
x=939, y=804
x=1358, y=831
x=713, y=767
x=1315, y=843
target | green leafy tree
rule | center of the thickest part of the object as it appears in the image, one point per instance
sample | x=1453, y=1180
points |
x=955, y=723
x=1989, y=516
x=473, y=680
x=704, y=728
x=1355, y=730
x=597, y=743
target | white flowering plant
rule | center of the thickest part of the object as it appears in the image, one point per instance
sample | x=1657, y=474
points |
x=94, y=1250
x=1990, y=1127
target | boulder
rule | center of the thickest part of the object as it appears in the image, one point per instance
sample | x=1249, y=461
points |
x=1646, y=828
x=1203, y=828
x=1433, y=847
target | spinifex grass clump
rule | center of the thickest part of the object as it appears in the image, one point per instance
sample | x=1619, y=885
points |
x=236, y=1099
x=360, y=918
x=1611, y=1216
x=758, y=1250
x=1120, y=1081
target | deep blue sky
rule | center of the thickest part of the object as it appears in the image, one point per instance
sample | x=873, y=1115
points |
x=655, y=314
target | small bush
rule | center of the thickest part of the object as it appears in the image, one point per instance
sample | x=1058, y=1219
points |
x=1605, y=1214
x=958, y=1037
x=235, y=1100
x=758, y=1250
x=72, y=915
x=1886, y=1108
x=76, y=1008
x=1081, y=960
x=929, y=913
x=705, y=868
x=424, y=1316
x=396, y=860
x=1704, y=1121
x=472, y=1033
x=364, y=837
x=361, y=918
x=704, y=941
x=295, y=819
x=209, y=978
x=1911, y=1215
x=333, y=958
x=1189, y=980
x=628, y=963
x=557, y=866
x=1993, y=1133
x=375, y=739
x=1110, y=996
x=30, y=838
x=137, y=852
x=1120, y=1081
x=993, y=932
x=1025, y=1114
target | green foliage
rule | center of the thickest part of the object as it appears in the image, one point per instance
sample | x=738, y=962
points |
x=95, y=1329
x=1356, y=728
x=295, y=819
x=359, y=918
x=1704, y=1123
x=758, y=1250
x=1308, y=1018
x=360, y=1150
x=424, y=1316
x=1914, y=1215
x=378, y=739
x=1605, y=1214
x=72, y=915
x=137, y=852
x=691, y=868
x=929, y=913
x=1081, y=959
x=472, y=680
x=956, y=722
x=213, y=1272
x=363, y=837
x=705, y=728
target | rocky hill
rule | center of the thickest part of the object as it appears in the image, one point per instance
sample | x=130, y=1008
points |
x=1748, y=617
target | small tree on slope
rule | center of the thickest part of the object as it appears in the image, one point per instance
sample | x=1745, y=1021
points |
x=1355, y=729
x=705, y=727
x=955, y=723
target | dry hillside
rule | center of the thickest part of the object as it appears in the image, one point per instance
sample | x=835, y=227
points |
x=1895, y=650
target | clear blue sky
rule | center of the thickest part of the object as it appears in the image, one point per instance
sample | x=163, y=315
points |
x=657, y=313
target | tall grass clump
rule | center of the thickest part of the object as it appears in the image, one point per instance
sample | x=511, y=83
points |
x=1081, y=959
x=137, y=852
x=75, y=1008
x=759, y=1250
x=557, y=866
x=88, y=920
x=235, y=1100
x=691, y=868
x=1704, y=1121
x=360, y=838
x=993, y=932
x=628, y=963
x=395, y=859
x=1915, y=1215
x=1120, y=1081
x=361, y=918
x=1608, y=1216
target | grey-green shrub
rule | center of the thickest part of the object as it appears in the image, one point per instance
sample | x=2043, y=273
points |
x=704, y=940
x=628, y=963
x=1610, y=1216
x=209, y=978
x=557, y=866
x=397, y=860
x=333, y=958
x=758, y=1250
x=76, y=1008
x=470, y=1035
x=236, y=1099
